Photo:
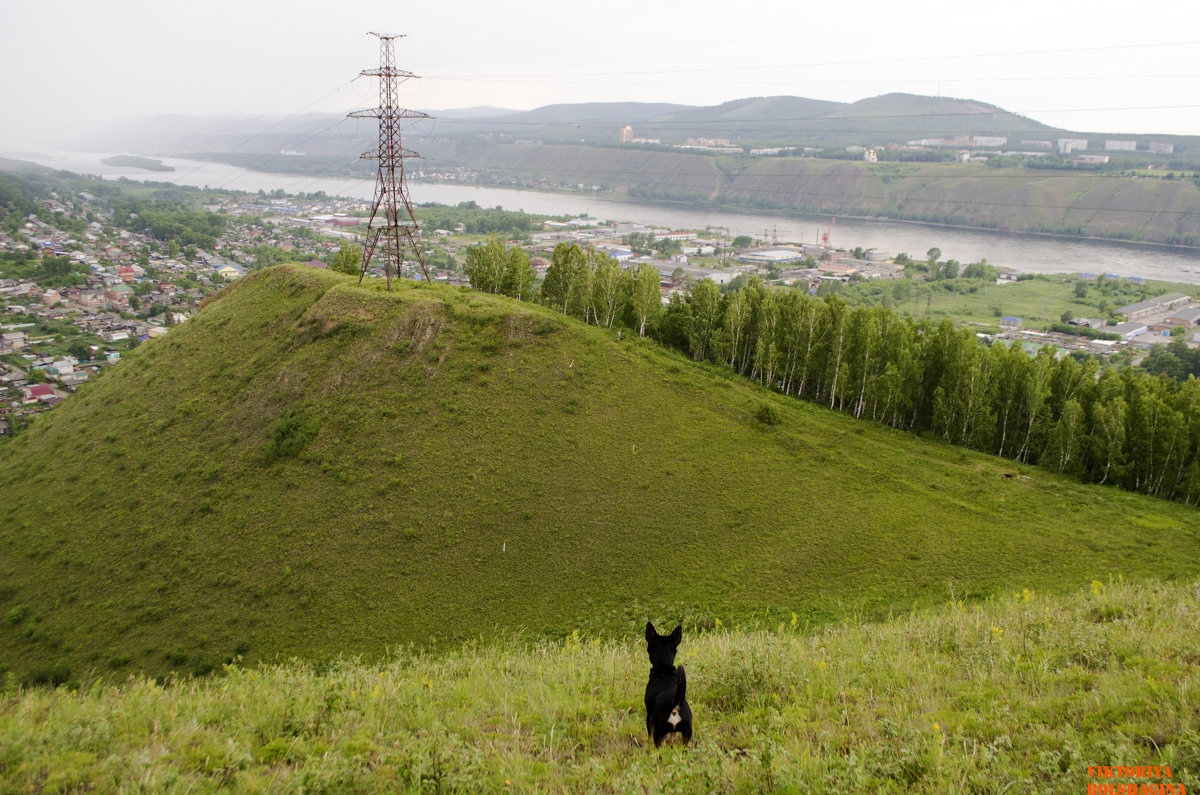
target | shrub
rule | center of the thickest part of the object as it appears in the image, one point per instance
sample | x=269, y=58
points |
x=293, y=431
x=768, y=414
x=53, y=675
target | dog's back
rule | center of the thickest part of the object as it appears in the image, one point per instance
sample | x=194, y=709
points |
x=667, y=709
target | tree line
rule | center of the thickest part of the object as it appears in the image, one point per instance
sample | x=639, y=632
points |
x=478, y=220
x=1125, y=427
x=587, y=284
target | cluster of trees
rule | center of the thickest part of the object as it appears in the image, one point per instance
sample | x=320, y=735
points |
x=478, y=220
x=587, y=284
x=169, y=221
x=1174, y=360
x=348, y=259
x=493, y=267
x=948, y=269
x=593, y=286
x=646, y=244
x=18, y=200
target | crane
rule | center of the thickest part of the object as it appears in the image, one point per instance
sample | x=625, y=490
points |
x=825, y=235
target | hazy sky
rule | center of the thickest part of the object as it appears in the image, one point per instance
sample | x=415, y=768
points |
x=1103, y=66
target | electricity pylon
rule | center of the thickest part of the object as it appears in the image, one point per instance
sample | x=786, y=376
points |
x=392, y=217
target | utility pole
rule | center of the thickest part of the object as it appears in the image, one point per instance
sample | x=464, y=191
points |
x=392, y=217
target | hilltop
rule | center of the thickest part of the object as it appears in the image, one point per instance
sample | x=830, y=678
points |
x=308, y=467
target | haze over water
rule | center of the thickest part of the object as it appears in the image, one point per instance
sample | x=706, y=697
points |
x=1022, y=252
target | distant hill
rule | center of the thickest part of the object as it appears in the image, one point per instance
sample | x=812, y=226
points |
x=619, y=113
x=892, y=117
x=312, y=468
x=755, y=108
x=899, y=117
x=477, y=112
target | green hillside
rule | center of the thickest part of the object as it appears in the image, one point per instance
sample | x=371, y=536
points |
x=1027, y=693
x=308, y=467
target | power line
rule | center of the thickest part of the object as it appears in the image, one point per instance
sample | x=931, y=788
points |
x=817, y=64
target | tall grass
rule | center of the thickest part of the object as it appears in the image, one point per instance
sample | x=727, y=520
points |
x=1019, y=694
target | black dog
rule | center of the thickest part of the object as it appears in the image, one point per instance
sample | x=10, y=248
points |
x=667, y=709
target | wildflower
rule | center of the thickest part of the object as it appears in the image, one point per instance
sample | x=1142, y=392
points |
x=795, y=618
x=997, y=632
x=1097, y=587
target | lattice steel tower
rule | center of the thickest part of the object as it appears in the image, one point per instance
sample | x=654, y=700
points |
x=392, y=217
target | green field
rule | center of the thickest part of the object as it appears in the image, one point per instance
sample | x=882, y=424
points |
x=1038, y=301
x=1024, y=693
x=311, y=468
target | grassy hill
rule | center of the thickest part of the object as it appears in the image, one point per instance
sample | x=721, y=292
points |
x=1027, y=693
x=311, y=468
x=892, y=117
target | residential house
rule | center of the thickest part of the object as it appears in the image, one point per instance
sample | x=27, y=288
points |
x=13, y=341
x=37, y=392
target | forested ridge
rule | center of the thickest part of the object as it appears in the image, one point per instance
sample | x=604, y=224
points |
x=1125, y=427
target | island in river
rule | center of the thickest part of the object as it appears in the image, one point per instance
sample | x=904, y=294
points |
x=134, y=161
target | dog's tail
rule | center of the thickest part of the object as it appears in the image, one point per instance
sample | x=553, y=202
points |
x=680, y=686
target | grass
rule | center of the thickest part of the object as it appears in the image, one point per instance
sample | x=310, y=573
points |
x=309, y=468
x=1039, y=301
x=1022, y=692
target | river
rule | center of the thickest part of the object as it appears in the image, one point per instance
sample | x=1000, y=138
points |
x=1025, y=253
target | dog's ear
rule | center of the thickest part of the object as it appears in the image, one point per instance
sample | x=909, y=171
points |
x=651, y=632
x=676, y=635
